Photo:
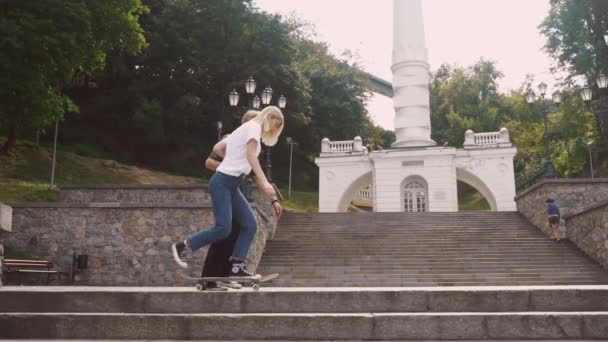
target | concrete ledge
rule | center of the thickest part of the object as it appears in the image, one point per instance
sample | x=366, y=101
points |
x=560, y=181
x=303, y=301
x=6, y=217
x=134, y=186
x=112, y=205
x=362, y=326
x=587, y=208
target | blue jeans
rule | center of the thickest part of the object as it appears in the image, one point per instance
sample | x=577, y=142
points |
x=227, y=201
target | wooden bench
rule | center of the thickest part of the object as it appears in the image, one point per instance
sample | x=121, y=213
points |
x=42, y=267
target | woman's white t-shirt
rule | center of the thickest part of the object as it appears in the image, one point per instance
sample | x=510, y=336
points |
x=235, y=161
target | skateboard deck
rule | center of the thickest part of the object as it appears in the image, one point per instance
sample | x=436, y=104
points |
x=255, y=281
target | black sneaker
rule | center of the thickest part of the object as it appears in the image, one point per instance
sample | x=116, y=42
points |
x=239, y=270
x=180, y=251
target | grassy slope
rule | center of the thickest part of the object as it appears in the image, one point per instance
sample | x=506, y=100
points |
x=25, y=174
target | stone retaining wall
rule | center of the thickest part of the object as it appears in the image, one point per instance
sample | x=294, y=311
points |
x=127, y=243
x=588, y=229
x=569, y=194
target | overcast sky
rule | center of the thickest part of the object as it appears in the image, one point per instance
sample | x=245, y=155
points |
x=457, y=32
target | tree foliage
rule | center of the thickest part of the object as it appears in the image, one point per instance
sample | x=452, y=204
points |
x=47, y=45
x=159, y=107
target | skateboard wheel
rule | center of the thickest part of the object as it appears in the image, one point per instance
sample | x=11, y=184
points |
x=255, y=287
x=199, y=287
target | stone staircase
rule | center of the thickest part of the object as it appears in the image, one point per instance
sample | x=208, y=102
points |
x=299, y=314
x=421, y=249
x=345, y=250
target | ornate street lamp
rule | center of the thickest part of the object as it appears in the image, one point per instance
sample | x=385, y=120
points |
x=602, y=81
x=599, y=106
x=586, y=94
x=266, y=96
x=256, y=102
x=542, y=87
x=557, y=98
x=282, y=102
x=530, y=97
x=250, y=85
x=233, y=98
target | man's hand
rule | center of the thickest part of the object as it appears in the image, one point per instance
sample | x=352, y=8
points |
x=267, y=189
x=278, y=209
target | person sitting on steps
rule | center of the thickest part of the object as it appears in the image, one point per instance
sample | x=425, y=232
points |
x=240, y=152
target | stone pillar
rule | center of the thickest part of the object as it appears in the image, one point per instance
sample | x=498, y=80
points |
x=357, y=144
x=411, y=76
x=6, y=217
x=325, y=146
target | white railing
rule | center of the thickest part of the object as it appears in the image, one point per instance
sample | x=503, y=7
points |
x=487, y=139
x=364, y=194
x=344, y=146
x=341, y=146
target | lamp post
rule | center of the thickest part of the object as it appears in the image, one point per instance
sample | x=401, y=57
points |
x=52, y=186
x=255, y=101
x=290, y=142
x=589, y=143
x=557, y=98
x=599, y=106
x=219, y=130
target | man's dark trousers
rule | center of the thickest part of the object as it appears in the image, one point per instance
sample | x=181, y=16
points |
x=217, y=262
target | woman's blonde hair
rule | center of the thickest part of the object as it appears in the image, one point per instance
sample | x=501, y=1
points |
x=263, y=118
x=249, y=115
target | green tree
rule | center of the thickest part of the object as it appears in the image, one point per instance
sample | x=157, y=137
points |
x=338, y=94
x=576, y=32
x=47, y=45
x=466, y=98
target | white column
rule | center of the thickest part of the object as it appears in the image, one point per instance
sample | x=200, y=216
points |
x=411, y=76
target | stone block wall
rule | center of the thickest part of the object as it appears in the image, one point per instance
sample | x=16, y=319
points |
x=588, y=229
x=569, y=194
x=127, y=241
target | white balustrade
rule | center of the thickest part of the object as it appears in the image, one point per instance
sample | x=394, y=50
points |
x=487, y=139
x=344, y=146
x=364, y=194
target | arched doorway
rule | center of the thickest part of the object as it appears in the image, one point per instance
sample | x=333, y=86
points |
x=353, y=189
x=414, y=194
x=474, y=181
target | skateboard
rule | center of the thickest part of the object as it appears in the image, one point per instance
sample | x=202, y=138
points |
x=255, y=281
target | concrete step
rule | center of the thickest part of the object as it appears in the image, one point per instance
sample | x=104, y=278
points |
x=311, y=314
x=317, y=326
x=181, y=300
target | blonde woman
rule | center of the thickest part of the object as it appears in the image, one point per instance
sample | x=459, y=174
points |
x=240, y=151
